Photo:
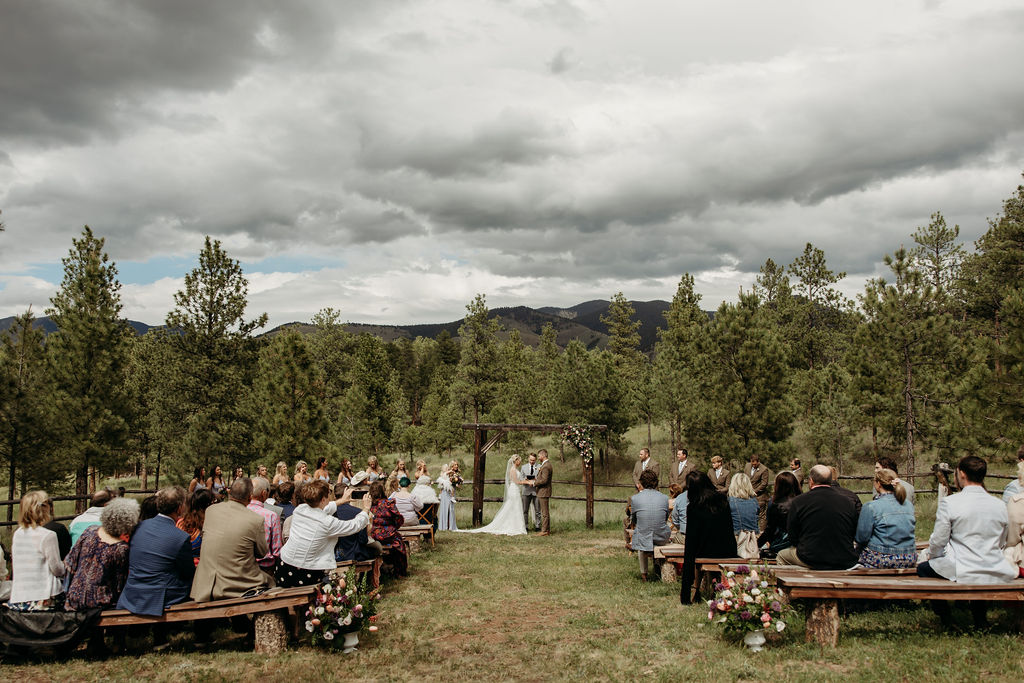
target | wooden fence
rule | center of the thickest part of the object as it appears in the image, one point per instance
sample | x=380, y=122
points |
x=65, y=518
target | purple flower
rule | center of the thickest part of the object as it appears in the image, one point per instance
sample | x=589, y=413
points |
x=745, y=615
x=743, y=569
x=776, y=606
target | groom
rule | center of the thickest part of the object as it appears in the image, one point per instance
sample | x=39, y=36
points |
x=543, y=486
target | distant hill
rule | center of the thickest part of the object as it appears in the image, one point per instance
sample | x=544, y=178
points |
x=582, y=322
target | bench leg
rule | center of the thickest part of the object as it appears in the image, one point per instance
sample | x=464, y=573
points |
x=668, y=572
x=271, y=633
x=823, y=623
x=414, y=545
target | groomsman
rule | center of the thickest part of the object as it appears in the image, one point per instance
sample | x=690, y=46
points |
x=642, y=465
x=680, y=468
x=529, y=473
x=718, y=474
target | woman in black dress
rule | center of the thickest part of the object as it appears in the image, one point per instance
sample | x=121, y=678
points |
x=787, y=487
x=708, y=529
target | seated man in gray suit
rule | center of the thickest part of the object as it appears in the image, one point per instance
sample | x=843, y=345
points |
x=649, y=514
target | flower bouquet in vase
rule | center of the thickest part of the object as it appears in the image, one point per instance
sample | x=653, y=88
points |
x=339, y=609
x=747, y=602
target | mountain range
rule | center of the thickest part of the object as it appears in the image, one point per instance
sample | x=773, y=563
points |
x=582, y=322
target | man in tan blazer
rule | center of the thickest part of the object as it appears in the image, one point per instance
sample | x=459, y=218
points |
x=543, y=486
x=644, y=463
x=719, y=475
x=233, y=537
x=678, y=470
x=760, y=478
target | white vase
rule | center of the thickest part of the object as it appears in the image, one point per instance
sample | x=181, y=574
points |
x=754, y=640
x=352, y=639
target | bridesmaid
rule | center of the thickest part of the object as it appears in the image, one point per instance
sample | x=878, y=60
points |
x=446, y=513
x=321, y=472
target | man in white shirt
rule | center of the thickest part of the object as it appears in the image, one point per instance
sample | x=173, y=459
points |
x=529, y=473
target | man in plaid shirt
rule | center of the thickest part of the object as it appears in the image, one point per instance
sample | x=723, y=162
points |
x=271, y=524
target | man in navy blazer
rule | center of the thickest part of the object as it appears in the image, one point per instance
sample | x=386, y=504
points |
x=160, y=566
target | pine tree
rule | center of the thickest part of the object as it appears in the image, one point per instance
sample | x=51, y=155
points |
x=216, y=356
x=371, y=410
x=89, y=355
x=479, y=370
x=26, y=397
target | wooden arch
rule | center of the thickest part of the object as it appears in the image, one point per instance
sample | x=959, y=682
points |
x=481, y=444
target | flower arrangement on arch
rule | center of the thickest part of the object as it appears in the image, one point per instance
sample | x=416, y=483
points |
x=580, y=438
x=746, y=600
x=339, y=605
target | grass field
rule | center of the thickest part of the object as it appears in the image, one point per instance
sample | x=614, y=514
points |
x=565, y=607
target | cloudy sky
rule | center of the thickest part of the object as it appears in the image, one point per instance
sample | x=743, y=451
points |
x=392, y=158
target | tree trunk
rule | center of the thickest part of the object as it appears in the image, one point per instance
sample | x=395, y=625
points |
x=822, y=625
x=479, y=465
x=81, y=486
x=10, y=489
x=144, y=475
x=908, y=401
x=588, y=479
x=650, y=441
x=159, y=453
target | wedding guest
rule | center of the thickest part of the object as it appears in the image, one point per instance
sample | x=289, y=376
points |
x=321, y=472
x=285, y=500
x=386, y=522
x=644, y=463
x=406, y=503
x=776, y=532
x=760, y=477
x=680, y=468
x=281, y=473
x=198, y=479
x=709, y=529
x=966, y=545
x=147, y=508
x=743, y=507
x=677, y=519
x=345, y=473
x=888, y=463
x=301, y=473
x=237, y=473
x=63, y=535
x=97, y=566
x=1014, y=486
x=374, y=471
x=359, y=546
x=446, y=511
x=309, y=553
x=35, y=558
x=216, y=482
x=91, y=517
x=797, y=471
x=425, y=494
x=160, y=566
x=1014, y=550
x=271, y=524
x=942, y=472
x=853, y=497
x=261, y=471
x=885, y=529
x=233, y=538
x=649, y=515
x=192, y=521
x=673, y=492
x=822, y=524
x=718, y=474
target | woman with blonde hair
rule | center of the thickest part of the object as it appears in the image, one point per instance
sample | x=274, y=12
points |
x=301, y=473
x=281, y=473
x=885, y=530
x=373, y=469
x=35, y=558
x=743, y=507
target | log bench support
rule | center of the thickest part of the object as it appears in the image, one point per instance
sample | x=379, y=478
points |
x=271, y=633
x=823, y=623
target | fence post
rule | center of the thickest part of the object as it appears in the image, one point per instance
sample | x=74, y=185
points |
x=479, y=464
x=588, y=480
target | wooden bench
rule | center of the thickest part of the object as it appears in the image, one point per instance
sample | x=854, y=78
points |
x=417, y=532
x=361, y=568
x=271, y=633
x=825, y=589
x=671, y=559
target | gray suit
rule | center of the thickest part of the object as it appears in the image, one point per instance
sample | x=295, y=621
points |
x=530, y=497
x=649, y=514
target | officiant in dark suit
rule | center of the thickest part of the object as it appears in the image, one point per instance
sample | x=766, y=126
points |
x=529, y=474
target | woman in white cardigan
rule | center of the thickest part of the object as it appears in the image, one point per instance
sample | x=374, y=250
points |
x=308, y=554
x=35, y=558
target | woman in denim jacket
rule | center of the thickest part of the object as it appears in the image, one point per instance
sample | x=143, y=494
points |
x=885, y=531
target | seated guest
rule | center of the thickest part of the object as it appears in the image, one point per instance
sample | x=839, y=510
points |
x=776, y=533
x=966, y=545
x=406, y=503
x=425, y=494
x=233, y=537
x=1014, y=550
x=308, y=554
x=673, y=492
x=271, y=524
x=147, y=508
x=853, y=497
x=387, y=520
x=1015, y=486
x=649, y=515
x=677, y=519
x=192, y=521
x=885, y=531
x=709, y=529
x=64, y=542
x=90, y=517
x=888, y=463
x=358, y=546
x=35, y=558
x=98, y=564
x=718, y=474
x=743, y=508
x=285, y=499
x=822, y=524
x=160, y=567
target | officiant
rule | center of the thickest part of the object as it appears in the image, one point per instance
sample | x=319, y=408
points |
x=529, y=474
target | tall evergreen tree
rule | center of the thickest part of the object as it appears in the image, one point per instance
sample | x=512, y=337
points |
x=479, y=370
x=371, y=411
x=89, y=355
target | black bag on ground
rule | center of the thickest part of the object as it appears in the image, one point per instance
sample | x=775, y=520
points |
x=34, y=630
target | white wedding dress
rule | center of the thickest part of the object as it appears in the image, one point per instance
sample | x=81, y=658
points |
x=509, y=520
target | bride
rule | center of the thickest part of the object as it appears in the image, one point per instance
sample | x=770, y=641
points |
x=509, y=520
